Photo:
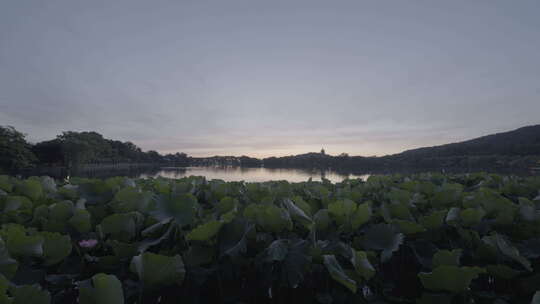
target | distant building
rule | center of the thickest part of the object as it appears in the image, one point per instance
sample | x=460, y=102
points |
x=322, y=151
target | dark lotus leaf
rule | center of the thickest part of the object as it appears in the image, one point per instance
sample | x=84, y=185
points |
x=530, y=248
x=198, y=255
x=536, y=298
x=292, y=259
x=149, y=242
x=27, y=274
x=433, y=298
x=502, y=271
x=499, y=242
x=232, y=238
x=277, y=251
x=424, y=251
x=296, y=263
x=383, y=237
x=30, y=294
x=337, y=273
x=8, y=266
x=181, y=207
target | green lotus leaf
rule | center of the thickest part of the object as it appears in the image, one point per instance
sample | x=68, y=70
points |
x=30, y=188
x=383, y=237
x=81, y=221
x=274, y=219
x=19, y=244
x=447, y=257
x=502, y=271
x=297, y=213
x=4, y=284
x=56, y=247
x=399, y=196
x=129, y=199
x=434, y=220
x=5, y=183
x=8, y=266
x=362, y=265
x=155, y=270
x=302, y=204
x=121, y=226
x=448, y=194
x=450, y=278
x=400, y=211
x=229, y=216
x=471, y=216
x=101, y=289
x=226, y=204
x=342, y=210
x=322, y=219
x=182, y=208
x=123, y=250
x=204, y=232
x=61, y=211
x=30, y=294
x=337, y=273
x=68, y=192
x=362, y=215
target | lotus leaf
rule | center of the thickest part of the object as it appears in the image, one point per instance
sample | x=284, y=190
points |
x=450, y=278
x=337, y=273
x=101, y=289
x=155, y=270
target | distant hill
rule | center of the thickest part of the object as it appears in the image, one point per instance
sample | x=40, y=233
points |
x=519, y=142
x=514, y=149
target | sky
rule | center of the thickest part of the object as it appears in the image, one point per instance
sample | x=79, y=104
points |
x=270, y=78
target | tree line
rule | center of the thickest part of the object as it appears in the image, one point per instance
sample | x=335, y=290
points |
x=71, y=149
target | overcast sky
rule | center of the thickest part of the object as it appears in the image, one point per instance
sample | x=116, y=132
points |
x=273, y=77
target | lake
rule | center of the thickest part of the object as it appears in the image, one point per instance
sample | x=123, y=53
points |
x=247, y=174
x=250, y=174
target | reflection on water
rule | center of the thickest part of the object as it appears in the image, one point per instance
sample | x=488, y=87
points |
x=251, y=174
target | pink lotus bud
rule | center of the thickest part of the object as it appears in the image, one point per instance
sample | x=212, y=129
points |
x=88, y=243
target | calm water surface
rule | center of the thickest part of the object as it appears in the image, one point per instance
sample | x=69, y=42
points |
x=250, y=174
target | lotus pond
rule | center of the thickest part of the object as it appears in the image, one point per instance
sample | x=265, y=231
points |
x=424, y=238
